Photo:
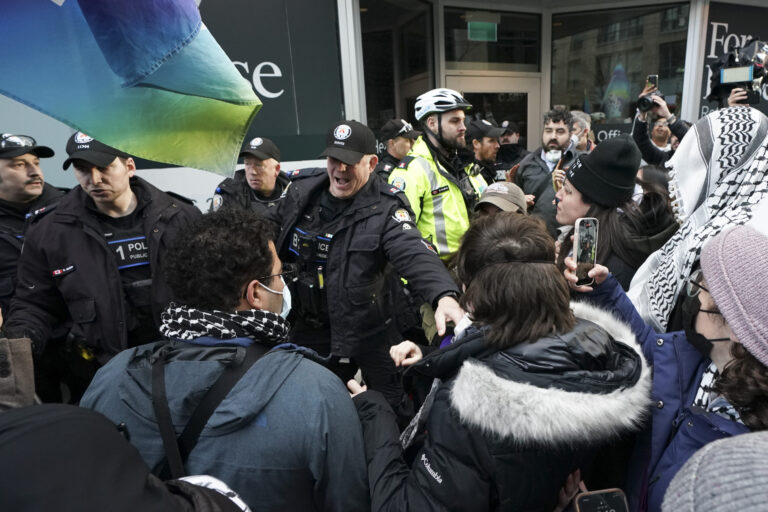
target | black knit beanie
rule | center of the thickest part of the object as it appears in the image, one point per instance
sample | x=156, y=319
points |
x=607, y=174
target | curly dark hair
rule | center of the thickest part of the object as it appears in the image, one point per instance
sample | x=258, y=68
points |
x=558, y=114
x=506, y=261
x=744, y=383
x=212, y=259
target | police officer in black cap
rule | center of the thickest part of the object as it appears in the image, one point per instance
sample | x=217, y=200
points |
x=349, y=237
x=260, y=185
x=397, y=136
x=483, y=139
x=94, y=260
x=22, y=191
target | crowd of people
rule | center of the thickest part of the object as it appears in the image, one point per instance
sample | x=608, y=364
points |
x=403, y=329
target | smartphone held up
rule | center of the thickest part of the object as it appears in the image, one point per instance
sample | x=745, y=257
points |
x=585, y=249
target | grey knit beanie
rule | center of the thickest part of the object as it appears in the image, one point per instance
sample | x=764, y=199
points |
x=735, y=265
x=728, y=475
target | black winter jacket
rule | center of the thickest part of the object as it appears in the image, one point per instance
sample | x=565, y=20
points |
x=386, y=164
x=507, y=426
x=652, y=154
x=369, y=245
x=67, y=272
x=534, y=177
x=236, y=193
x=12, y=227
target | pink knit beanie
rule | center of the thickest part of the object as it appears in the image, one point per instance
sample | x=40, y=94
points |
x=735, y=265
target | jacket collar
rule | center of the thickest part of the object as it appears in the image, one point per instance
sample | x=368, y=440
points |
x=556, y=414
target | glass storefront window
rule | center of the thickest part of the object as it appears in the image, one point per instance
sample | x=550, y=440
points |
x=398, y=58
x=600, y=59
x=491, y=40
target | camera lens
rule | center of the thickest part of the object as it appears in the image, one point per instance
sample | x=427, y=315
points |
x=645, y=103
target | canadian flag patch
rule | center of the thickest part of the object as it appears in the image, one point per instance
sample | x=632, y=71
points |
x=62, y=271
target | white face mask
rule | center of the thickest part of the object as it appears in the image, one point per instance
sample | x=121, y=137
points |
x=553, y=155
x=286, y=293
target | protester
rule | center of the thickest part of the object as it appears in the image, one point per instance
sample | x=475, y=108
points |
x=710, y=380
x=718, y=176
x=286, y=436
x=502, y=197
x=535, y=173
x=68, y=459
x=600, y=184
x=521, y=398
x=438, y=188
x=260, y=185
x=580, y=129
x=654, y=143
x=351, y=238
x=398, y=137
x=728, y=475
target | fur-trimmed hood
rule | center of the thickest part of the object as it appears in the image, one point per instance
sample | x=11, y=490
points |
x=562, y=411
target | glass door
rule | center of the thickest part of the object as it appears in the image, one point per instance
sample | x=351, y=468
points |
x=515, y=99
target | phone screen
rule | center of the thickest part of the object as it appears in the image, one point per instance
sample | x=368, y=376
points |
x=652, y=80
x=612, y=500
x=585, y=248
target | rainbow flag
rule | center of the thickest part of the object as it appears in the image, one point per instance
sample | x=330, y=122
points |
x=144, y=76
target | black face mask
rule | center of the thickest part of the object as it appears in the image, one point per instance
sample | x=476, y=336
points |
x=690, y=308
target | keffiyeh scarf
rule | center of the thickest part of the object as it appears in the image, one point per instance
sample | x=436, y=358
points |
x=187, y=323
x=718, y=177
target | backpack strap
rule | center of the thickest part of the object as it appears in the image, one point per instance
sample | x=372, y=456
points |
x=177, y=450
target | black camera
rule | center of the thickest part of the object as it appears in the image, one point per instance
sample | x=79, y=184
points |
x=645, y=103
x=742, y=68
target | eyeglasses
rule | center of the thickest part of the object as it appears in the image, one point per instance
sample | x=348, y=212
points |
x=661, y=123
x=286, y=274
x=693, y=287
x=8, y=140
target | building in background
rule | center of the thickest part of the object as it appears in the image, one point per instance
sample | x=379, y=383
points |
x=313, y=62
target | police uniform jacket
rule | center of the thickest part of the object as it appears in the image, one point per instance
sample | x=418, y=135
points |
x=374, y=238
x=12, y=228
x=236, y=193
x=68, y=273
x=386, y=165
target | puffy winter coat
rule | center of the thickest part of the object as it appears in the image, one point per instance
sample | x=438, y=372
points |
x=507, y=426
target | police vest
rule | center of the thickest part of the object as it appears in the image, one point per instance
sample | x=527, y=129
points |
x=441, y=205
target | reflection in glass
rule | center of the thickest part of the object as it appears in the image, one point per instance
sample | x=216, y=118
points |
x=600, y=59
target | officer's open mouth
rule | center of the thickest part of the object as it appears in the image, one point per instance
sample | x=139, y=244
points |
x=341, y=181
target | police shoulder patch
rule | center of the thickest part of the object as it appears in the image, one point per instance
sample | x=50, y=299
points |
x=401, y=215
x=399, y=182
x=216, y=202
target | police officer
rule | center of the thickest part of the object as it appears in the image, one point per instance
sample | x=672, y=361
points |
x=397, y=135
x=438, y=187
x=22, y=190
x=349, y=236
x=483, y=139
x=260, y=185
x=94, y=260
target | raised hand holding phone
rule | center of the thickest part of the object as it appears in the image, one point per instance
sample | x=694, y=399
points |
x=585, y=249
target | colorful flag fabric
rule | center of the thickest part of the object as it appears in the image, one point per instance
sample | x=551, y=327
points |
x=144, y=76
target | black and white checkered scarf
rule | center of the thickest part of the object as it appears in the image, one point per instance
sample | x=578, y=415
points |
x=187, y=323
x=719, y=176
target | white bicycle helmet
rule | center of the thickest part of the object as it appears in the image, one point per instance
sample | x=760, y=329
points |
x=438, y=101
